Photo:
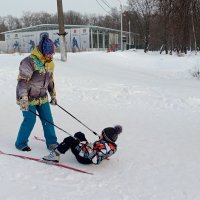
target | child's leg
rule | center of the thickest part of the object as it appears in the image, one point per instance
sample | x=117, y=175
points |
x=67, y=143
x=80, y=136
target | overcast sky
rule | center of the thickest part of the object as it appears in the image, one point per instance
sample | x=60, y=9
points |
x=17, y=7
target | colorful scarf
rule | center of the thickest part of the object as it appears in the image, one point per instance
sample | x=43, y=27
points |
x=40, y=62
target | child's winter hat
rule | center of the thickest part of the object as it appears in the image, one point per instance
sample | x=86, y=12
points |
x=110, y=134
x=46, y=46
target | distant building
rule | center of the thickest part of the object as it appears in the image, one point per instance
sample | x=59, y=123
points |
x=3, y=46
x=78, y=38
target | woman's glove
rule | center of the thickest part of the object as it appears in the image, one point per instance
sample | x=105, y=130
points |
x=23, y=103
x=53, y=101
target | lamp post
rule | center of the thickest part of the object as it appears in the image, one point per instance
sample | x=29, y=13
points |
x=129, y=26
x=62, y=32
x=121, y=27
x=121, y=9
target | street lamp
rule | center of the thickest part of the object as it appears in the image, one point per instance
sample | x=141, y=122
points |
x=121, y=25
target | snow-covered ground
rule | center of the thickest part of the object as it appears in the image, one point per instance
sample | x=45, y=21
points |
x=156, y=100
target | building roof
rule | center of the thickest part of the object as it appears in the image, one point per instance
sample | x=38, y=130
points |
x=43, y=27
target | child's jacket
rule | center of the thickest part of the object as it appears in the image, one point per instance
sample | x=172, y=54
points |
x=96, y=152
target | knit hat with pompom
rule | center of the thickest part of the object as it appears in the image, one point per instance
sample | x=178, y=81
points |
x=46, y=46
x=110, y=134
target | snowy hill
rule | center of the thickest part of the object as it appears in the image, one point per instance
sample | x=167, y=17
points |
x=156, y=100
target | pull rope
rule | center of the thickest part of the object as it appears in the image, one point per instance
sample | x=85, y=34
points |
x=52, y=123
x=77, y=120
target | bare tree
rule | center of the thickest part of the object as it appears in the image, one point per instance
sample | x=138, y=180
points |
x=32, y=19
x=73, y=18
x=144, y=10
x=165, y=8
x=12, y=22
x=3, y=27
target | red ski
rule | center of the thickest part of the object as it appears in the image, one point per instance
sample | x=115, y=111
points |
x=46, y=162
